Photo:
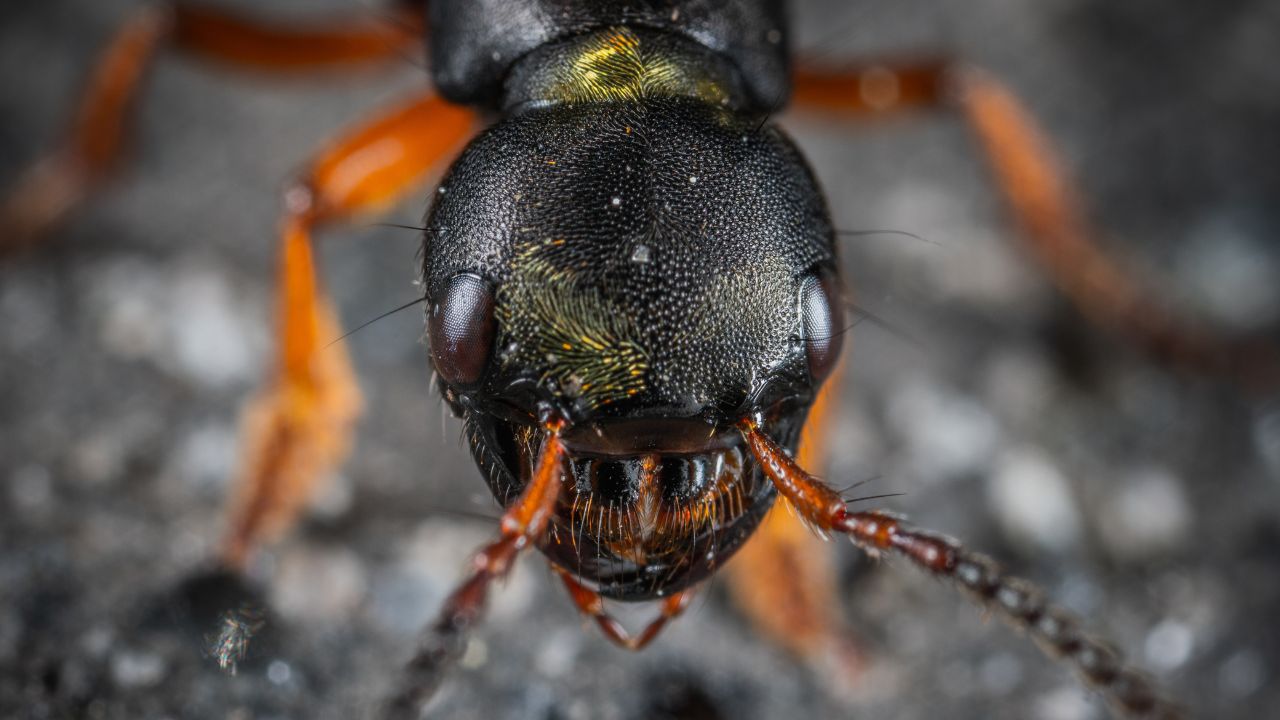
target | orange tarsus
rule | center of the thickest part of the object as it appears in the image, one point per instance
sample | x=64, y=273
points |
x=590, y=603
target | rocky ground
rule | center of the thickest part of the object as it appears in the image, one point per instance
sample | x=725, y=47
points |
x=1146, y=500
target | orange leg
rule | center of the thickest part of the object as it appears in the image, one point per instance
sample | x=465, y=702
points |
x=62, y=180
x=590, y=603
x=1031, y=179
x=783, y=579
x=522, y=525
x=298, y=428
x=1012, y=599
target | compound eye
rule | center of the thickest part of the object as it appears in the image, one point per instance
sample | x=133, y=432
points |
x=822, y=317
x=460, y=329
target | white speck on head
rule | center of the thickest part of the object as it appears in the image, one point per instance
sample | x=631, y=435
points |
x=693, y=179
x=641, y=254
x=616, y=201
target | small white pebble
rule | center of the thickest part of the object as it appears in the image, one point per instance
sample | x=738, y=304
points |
x=1242, y=674
x=31, y=489
x=127, y=295
x=1229, y=271
x=312, y=584
x=205, y=458
x=97, y=642
x=1071, y=702
x=99, y=458
x=1266, y=437
x=279, y=672
x=559, y=653
x=208, y=327
x=1032, y=500
x=1000, y=674
x=476, y=654
x=1169, y=645
x=132, y=669
x=944, y=435
x=1146, y=516
x=956, y=679
x=1019, y=384
x=334, y=497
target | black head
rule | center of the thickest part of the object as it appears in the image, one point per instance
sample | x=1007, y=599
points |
x=651, y=273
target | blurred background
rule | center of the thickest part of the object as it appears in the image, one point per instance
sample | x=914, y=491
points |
x=1146, y=500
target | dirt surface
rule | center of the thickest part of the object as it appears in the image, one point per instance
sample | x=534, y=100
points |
x=1146, y=500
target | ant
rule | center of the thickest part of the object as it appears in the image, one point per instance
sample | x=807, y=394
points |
x=633, y=290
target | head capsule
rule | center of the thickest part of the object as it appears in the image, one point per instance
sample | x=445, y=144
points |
x=650, y=269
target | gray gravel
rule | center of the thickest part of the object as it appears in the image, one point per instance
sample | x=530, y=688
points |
x=1146, y=500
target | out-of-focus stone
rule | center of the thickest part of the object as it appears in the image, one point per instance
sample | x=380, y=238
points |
x=1146, y=516
x=945, y=435
x=313, y=584
x=1071, y=702
x=1223, y=268
x=135, y=669
x=1242, y=674
x=1032, y=501
x=1168, y=646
